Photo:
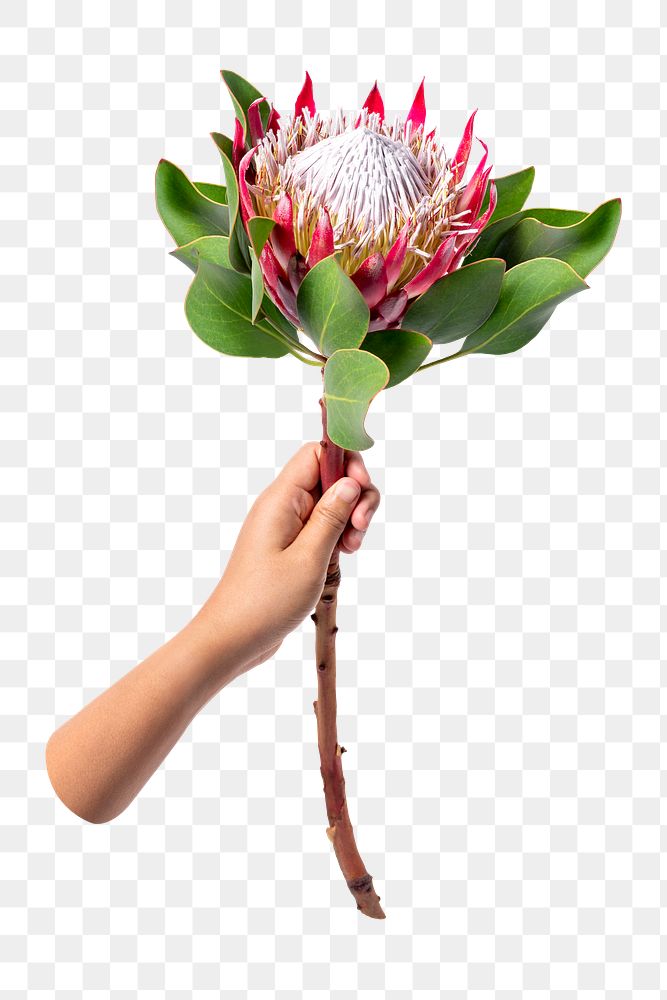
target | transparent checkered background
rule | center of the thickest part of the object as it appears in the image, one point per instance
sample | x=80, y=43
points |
x=499, y=682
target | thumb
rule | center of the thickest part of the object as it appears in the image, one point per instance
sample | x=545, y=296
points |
x=328, y=519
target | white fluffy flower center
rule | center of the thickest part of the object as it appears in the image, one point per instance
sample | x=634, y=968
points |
x=361, y=176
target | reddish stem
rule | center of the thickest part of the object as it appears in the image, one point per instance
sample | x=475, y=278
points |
x=339, y=831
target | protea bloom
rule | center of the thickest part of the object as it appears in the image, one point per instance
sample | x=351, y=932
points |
x=384, y=195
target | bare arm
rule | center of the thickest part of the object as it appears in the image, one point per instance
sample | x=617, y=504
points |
x=100, y=759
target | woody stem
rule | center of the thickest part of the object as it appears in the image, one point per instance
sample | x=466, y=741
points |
x=339, y=831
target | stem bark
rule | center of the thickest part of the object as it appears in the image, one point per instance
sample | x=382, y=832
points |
x=339, y=831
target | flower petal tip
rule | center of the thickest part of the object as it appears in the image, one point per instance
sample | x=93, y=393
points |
x=417, y=112
x=374, y=103
x=305, y=98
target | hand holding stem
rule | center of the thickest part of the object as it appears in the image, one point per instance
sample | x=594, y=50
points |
x=100, y=759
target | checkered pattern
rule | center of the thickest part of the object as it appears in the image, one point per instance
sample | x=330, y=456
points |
x=500, y=631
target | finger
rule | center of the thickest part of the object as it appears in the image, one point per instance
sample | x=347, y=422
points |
x=369, y=502
x=284, y=506
x=351, y=540
x=303, y=468
x=328, y=520
x=360, y=519
x=356, y=468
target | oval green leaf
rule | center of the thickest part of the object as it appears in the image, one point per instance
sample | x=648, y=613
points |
x=352, y=378
x=218, y=307
x=457, y=304
x=582, y=245
x=187, y=213
x=401, y=350
x=213, y=248
x=512, y=191
x=530, y=292
x=487, y=244
x=332, y=310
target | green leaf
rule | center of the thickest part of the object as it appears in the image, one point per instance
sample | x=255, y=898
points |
x=487, y=244
x=530, y=292
x=243, y=94
x=352, y=379
x=186, y=212
x=239, y=248
x=238, y=241
x=218, y=307
x=401, y=350
x=582, y=245
x=257, y=284
x=224, y=144
x=512, y=191
x=213, y=248
x=332, y=310
x=216, y=192
x=457, y=304
x=259, y=229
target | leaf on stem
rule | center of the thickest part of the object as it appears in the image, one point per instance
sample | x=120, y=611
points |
x=457, y=304
x=243, y=93
x=186, y=212
x=224, y=144
x=213, y=248
x=238, y=241
x=352, y=378
x=332, y=310
x=582, y=245
x=219, y=308
x=259, y=230
x=530, y=292
x=402, y=351
x=512, y=191
x=257, y=284
x=487, y=244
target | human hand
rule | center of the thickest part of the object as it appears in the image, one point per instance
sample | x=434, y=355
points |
x=277, y=569
x=99, y=759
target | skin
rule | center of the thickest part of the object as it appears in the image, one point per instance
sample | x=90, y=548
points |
x=100, y=759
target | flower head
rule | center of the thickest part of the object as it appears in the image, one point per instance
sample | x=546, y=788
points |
x=382, y=195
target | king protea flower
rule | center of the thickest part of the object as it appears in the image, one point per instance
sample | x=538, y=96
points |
x=324, y=196
x=384, y=196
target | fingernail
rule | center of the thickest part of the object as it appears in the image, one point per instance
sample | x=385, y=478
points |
x=347, y=490
x=356, y=536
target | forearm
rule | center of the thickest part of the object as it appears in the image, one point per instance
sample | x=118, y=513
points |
x=100, y=759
